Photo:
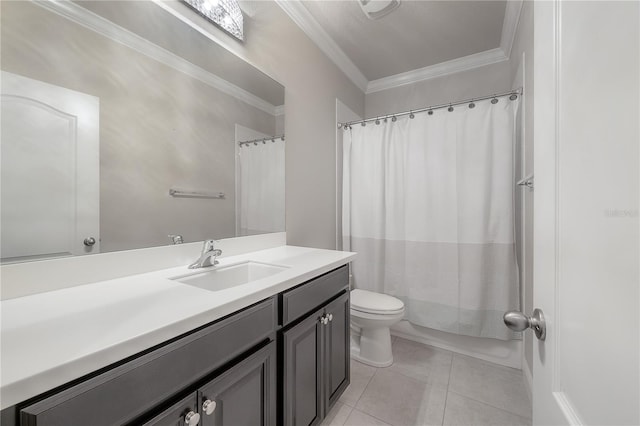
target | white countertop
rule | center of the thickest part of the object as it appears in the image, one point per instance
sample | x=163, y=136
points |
x=51, y=338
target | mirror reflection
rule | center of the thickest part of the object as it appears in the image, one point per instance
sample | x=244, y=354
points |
x=122, y=128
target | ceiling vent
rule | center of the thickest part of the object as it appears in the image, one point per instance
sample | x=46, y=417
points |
x=376, y=9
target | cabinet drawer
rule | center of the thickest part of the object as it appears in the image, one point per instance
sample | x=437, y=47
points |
x=129, y=390
x=310, y=295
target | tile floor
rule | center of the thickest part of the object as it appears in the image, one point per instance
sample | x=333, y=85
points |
x=430, y=386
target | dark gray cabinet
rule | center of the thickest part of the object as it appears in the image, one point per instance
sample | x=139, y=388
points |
x=337, y=354
x=315, y=354
x=128, y=392
x=178, y=414
x=302, y=372
x=284, y=360
x=245, y=395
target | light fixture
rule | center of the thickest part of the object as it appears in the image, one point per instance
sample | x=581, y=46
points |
x=376, y=9
x=224, y=13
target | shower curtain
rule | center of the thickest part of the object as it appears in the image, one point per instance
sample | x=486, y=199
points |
x=261, y=189
x=428, y=205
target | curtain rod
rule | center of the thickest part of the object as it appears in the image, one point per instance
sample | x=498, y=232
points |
x=513, y=95
x=263, y=140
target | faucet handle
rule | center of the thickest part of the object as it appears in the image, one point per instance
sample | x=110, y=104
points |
x=209, y=244
x=177, y=238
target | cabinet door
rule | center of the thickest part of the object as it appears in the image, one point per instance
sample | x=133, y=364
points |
x=176, y=414
x=244, y=395
x=336, y=349
x=301, y=357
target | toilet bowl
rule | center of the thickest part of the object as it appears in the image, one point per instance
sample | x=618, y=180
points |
x=373, y=313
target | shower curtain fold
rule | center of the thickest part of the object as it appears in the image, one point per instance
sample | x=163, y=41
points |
x=261, y=188
x=428, y=205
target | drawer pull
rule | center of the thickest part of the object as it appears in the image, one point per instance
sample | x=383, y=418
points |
x=209, y=407
x=192, y=418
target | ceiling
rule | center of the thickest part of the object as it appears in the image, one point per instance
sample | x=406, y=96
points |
x=421, y=39
x=416, y=35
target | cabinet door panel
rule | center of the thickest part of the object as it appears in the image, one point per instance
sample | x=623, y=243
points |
x=245, y=395
x=301, y=362
x=174, y=415
x=337, y=345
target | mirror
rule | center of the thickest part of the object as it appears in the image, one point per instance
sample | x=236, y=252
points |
x=121, y=126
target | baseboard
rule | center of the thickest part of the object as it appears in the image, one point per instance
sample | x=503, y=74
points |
x=528, y=379
x=506, y=353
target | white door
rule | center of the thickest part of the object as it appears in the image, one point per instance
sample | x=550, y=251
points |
x=49, y=150
x=586, y=240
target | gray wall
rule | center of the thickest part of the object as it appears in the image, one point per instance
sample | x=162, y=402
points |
x=523, y=44
x=276, y=45
x=158, y=128
x=463, y=85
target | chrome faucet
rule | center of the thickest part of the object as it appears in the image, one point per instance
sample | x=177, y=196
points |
x=208, y=251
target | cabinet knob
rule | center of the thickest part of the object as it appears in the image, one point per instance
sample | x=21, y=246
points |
x=192, y=418
x=324, y=320
x=330, y=317
x=209, y=407
x=89, y=241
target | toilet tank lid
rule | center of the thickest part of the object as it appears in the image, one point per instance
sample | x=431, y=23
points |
x=369, y=301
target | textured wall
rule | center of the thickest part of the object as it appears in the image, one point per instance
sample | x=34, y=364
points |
x=158, y=128
x=276, y=45
x=463, y=85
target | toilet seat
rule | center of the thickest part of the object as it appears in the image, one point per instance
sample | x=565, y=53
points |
x=369, y=302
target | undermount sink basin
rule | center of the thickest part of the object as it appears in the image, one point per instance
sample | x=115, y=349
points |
x=223, y=277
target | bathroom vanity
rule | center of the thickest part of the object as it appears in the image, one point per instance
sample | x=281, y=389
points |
x=275, y=350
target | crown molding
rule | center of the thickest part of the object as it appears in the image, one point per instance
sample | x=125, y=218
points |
x=444, y=68
x=301, y=16
x=102, y=26
x=279, y=110
x=510, y=25
x=307, y=23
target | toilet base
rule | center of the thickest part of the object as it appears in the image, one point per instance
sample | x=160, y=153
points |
x=373, y=347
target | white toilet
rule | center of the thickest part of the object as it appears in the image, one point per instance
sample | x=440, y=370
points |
x=373, y=313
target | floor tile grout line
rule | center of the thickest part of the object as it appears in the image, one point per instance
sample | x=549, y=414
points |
x=504, y=368
x=365, y=388
x=446, y=396
x=490, y=405
x=371, y=415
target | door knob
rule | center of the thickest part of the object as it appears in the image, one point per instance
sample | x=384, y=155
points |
x=519, y=322
x=209, y=407
x=192, y=418
x=89, y=241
